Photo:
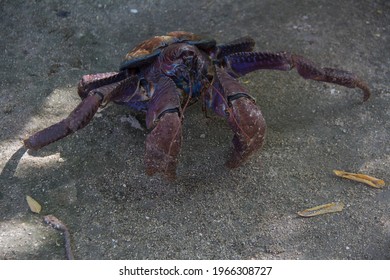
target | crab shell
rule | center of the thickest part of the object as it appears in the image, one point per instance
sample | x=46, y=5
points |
x=145, y=52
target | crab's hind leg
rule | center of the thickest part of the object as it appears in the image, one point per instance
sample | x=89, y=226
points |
x=243, y=115
x=163, y=143
x=95, y=90
x=245, y=62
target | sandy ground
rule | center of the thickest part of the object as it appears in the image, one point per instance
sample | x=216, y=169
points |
x=94, y=181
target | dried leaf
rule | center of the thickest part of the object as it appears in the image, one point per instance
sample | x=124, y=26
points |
x=371, y=181
x=33, y=204
x=322, y=209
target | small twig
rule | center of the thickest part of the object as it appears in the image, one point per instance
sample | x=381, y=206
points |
x=60, y=226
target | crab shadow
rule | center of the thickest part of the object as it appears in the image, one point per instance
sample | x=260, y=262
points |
x=12, y=164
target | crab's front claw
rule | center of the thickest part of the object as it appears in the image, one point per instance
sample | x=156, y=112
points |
x=231, y=100
x=164, y=142
x=248, y=125
x=163, y=146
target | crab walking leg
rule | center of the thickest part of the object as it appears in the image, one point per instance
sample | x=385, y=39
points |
x=84, y=112
x=244, y=118
x=163, y=143
x=245, y=62
x=94, y=81
x=243, y=44
x=77, y=119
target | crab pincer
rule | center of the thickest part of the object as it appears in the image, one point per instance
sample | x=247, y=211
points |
x=244, y=118
x=163, y=143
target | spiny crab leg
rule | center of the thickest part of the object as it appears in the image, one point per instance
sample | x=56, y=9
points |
x=245, y=62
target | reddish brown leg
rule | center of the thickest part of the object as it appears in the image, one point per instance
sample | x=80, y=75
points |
x=95, y=90
x=79, y=117
x=243, y=63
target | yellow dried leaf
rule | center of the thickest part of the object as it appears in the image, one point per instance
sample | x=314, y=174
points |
x=322, y=209
x=371, y=181
x=33, y=204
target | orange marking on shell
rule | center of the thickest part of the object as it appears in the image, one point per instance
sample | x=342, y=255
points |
x=184, y=35
x=152, y=44
x=149, y=46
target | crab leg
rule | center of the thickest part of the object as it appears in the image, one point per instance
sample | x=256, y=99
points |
x=95, y=81
x=245, y=62
x=244, y=44
x=85, y=111
x=163, y=143
x=243, y=116
x=76, y=120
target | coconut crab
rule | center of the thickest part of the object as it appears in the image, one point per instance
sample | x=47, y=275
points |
x=163, y=75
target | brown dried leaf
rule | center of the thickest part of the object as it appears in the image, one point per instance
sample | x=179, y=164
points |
x=371, y=181
x=322, y=209
x=33, y=204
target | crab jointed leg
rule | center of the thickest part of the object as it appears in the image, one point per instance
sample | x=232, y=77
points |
x=243, y=116
x=95, y=90
x=76, y=120
x=163, y=143
x=245, y=62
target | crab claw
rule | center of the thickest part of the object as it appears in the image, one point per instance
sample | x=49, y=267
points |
x=163, y=143
x=231, y=99
x=163, y=146
x=248, y=125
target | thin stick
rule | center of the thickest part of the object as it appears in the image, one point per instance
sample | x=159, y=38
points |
x=60, y=226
